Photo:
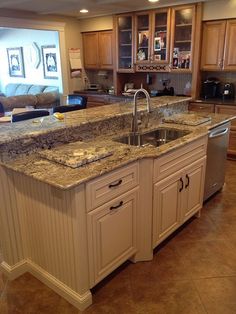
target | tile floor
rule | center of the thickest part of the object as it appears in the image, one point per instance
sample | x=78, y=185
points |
x=193, y=272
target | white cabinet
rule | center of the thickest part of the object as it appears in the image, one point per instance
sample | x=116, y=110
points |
x=111, y=227
x=166, y=207
x=112, y=235
x=193, y=188
x=178, y=188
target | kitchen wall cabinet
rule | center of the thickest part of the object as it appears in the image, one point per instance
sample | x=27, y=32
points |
x=98, y=50
x=219, y=46
x=178, y=192
x=182, y=38
x=152, y=35
x=124, y=24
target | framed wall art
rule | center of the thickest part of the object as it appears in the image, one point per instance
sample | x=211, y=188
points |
x=50, y=62
x=157, y=43
x=16, y=62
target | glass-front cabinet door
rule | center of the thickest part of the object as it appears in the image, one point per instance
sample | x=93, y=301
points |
x=182, y=38
x=125, y=31
x=161, y=36
x=143, y=37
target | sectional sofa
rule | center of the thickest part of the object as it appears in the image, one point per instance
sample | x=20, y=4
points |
x=21, y=95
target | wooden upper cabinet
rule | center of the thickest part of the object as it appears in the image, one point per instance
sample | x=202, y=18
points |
x=182, y=38
x=105, y=46
x=98, y=50
x=152, y=36
x=160, y=41
x=124, y=24
x=143, y=37
x=219, y=46
x=230, y=46
x=213, y=45
x=90, y=50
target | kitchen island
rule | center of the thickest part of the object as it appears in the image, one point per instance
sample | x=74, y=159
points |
x=71, y=227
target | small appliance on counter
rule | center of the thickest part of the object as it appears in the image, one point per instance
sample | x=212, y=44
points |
x=228, y=91
x=94, y=87
x=211, y=88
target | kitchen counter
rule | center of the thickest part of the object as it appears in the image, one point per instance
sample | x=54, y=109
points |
x=35, y=165
x=216, y=101
x=71, y=235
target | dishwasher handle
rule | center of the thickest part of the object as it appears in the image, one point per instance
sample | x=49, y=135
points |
x=218, y=133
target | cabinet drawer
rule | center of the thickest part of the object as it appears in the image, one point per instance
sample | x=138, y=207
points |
x=201, y=107
x=176, y=160
x=111, y=185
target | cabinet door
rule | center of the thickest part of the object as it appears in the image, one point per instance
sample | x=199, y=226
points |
x=228, y=110
x=182, y=43
x=90, y=50
x=232, y=135
x=143, y=37
x=230, y=46
x=105, y=46
x=112, y=235
x=213, y=45
x=161, y=36
x=193, y=188
x=124, y=44
x=203, y=107
x=166, y=206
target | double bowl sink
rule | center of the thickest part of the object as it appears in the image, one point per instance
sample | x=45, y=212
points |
x=154, y=138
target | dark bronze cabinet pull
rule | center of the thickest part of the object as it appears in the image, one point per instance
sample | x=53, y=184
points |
x=187, y=184
x=112, y=185
x=117, y=206
x=182, y=184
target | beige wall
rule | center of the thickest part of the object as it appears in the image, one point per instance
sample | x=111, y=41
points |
x=219, y=9
x=96, y=24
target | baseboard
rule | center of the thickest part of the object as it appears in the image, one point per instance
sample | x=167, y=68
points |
x=13, y=272
x=80, y=301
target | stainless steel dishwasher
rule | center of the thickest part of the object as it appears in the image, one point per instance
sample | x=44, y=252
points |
x=216, y=159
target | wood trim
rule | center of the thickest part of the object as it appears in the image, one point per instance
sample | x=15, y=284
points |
x=13, y=272
x=80, y=301
x=196, y=59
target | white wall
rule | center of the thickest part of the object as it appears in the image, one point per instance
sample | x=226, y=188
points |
x=11, y=38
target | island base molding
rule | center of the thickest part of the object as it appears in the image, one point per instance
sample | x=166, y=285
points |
x=79, y=301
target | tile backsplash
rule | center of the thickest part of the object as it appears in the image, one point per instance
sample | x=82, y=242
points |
x=105, y=81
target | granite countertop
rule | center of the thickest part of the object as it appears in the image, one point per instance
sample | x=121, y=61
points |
x=65, y=177
x=30, y=129
x=40, y=150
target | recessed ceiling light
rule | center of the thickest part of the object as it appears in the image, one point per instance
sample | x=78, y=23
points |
x=84, y=11
x=153, y=0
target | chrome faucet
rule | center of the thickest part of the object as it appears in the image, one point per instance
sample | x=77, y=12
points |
x=135, y=119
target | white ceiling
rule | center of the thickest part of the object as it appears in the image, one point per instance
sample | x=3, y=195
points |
x=95, y=7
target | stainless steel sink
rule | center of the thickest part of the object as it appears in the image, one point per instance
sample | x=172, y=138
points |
x=155, y=138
